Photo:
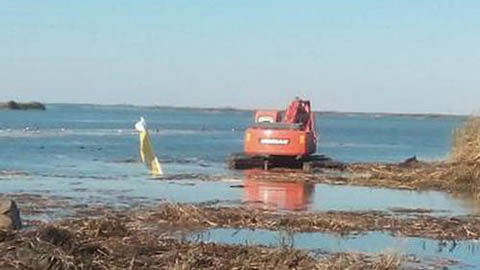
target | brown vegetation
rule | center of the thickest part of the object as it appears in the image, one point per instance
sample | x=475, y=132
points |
x=119, y=243
x=466, y=142
x=343, y=223
x=459, y=174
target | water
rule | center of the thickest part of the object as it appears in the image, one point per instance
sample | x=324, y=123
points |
x=92, y=137
x=88, y=155
x=465, y=253
x=304, y=196
x=92, y=148
x=282, y=196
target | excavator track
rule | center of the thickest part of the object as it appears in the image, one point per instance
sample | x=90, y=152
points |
x=241, y=161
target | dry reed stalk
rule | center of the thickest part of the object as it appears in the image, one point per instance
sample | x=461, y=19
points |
x=78, y=245
x=342, y=223
x=466, y=142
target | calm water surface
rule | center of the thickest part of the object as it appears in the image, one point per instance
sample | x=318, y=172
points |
x=90, y=155
x=465, y=253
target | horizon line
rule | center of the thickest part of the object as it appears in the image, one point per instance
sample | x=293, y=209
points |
x=233, y=108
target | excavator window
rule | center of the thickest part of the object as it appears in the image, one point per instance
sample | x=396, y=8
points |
x=265, y=119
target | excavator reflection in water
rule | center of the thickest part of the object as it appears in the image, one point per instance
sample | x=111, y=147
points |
x=276, y=195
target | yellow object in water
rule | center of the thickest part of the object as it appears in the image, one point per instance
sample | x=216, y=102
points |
x=147, y=153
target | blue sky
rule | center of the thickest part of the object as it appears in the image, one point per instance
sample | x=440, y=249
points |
x=389, y=56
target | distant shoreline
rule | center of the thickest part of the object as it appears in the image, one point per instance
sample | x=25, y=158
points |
x=232, y=109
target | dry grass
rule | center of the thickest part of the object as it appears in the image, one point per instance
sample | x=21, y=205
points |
x=466, y=142
x=117, y=242
x=461, y=173
x=454, y=177
x=342, y=223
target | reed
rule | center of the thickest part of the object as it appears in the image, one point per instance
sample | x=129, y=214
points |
x=466, y=156
x=458, y=174
x=466, y=142
x=109, y=243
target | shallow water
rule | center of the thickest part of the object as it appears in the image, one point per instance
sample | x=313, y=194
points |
x=38, y=141
x=322, y=197
x=88, y=154
x=97, y=146
x=467, y=253
x=132, y=191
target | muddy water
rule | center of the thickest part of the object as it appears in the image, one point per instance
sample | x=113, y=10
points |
x=464, y=254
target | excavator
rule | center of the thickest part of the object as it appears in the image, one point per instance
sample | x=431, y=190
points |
x=281, y=139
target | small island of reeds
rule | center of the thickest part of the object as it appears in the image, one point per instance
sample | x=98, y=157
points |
x=13, y=105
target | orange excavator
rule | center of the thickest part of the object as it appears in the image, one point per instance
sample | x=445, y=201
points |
x=281, y=139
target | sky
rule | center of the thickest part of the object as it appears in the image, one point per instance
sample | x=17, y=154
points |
x=407, y=56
